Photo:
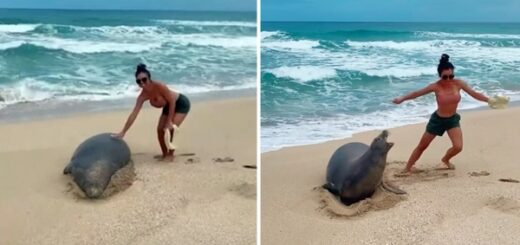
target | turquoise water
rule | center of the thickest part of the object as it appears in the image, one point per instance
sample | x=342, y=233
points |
x=323, y=81
x=82, y=55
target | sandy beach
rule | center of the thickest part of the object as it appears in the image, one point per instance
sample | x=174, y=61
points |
x=193, y=200
x=468, y=205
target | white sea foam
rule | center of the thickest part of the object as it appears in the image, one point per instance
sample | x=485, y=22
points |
x=466, y=35
x=25, y=90
x=303, y=73
x=290, y=45
x=34, y=90
x=9, y=45
x=138, y=32
x=205, y=88
x=208, y=23
x=17, y=28
x=401, y=71
x=268, y=34
x=83, y=47
x=391, y=58
x=319, y=129
x=218, y=40
x=413, y=45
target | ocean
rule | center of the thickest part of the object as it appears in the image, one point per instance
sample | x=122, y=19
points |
x=328, y=80
x=81, y=56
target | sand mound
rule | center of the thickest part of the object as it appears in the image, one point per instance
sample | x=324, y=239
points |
x=381, y=200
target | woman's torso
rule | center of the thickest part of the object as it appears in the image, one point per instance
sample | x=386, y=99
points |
x=156, y=98
x=447, y=94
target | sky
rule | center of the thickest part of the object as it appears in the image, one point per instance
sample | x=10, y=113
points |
x=392, y=10
x=218, y=5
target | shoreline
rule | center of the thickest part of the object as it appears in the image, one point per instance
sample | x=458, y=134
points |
x=512, y=104
x=24, y=112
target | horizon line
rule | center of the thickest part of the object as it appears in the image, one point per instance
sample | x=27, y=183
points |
x=126, y=9
x=389, y=21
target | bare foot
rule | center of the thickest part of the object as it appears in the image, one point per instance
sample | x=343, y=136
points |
x=404, y=173
x=167, y=158
x=446, y=166
x=417, y=170
x=157, y=157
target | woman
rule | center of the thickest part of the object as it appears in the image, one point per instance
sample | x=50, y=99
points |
x=445, y=118
x=175, y=106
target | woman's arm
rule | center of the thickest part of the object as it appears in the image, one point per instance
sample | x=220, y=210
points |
x=131, y=118
x=473, y=93
x=170, y=98
x=414, y=94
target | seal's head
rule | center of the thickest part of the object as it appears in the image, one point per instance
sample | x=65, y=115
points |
x=380, y=145
x=94, y=181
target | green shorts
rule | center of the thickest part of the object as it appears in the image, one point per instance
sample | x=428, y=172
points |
x=438, y=125
x=182, y=105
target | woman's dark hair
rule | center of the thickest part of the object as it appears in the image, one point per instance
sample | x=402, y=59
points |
x=142, y=68
x=444, y=64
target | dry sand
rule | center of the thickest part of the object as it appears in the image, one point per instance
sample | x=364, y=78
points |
x=468, y=205
x=193, y=200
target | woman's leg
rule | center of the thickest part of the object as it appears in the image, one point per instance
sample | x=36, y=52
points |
x=456, y=141
x=160, y=135
x=177, y=120
x=425, y=141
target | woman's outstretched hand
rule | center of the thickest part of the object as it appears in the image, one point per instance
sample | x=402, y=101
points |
x=398, y=100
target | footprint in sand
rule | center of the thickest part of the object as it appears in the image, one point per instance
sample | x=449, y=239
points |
x=505, y=205
x=176, y=155
x=192, y=160
x=509, y=180
x=418, y=175
x=246, y=190
x=225, y=159
x=477, y=174
x=186, y=154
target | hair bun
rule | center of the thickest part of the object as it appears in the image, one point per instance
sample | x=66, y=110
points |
x=444, y=58
x=141, y=67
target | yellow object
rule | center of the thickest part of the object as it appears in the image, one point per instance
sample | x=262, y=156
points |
x=170, y=142
x=498, y=102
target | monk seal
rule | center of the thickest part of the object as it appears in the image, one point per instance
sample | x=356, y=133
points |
x=355, y=170
x=95, y=161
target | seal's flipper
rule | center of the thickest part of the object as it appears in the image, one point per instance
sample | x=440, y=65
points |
x=391, y=188
x=67, y=169
x=330, y=187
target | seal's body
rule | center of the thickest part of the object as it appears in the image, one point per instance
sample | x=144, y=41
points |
x=355, y=170
x=95, y=161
